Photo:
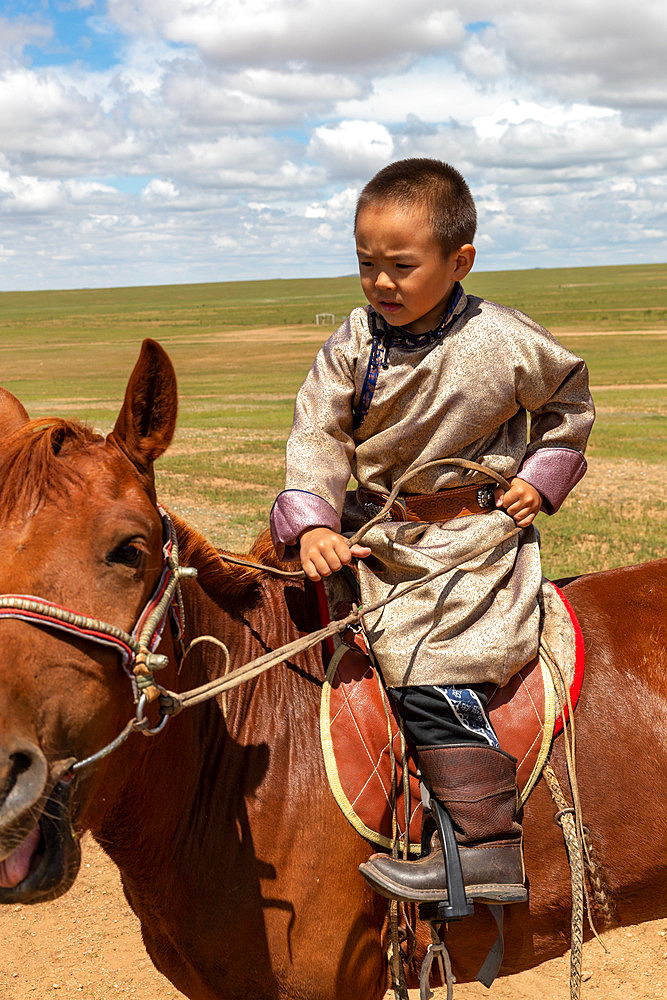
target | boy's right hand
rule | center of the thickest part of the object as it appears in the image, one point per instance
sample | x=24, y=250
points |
x=324, y=552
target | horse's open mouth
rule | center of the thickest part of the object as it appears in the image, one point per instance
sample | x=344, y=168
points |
x=46, y=862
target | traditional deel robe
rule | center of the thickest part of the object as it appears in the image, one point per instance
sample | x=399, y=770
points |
x=465, y=391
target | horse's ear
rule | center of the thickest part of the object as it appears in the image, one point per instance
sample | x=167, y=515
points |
x=147, y=420
x=12, y=414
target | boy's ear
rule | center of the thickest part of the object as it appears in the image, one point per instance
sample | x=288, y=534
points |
x=464, y=258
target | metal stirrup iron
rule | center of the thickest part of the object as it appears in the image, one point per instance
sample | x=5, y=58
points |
x=457, y=905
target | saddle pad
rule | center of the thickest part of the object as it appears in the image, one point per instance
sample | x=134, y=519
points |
x=359, y=728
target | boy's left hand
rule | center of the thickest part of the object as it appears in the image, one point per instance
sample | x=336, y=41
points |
x=521, y=501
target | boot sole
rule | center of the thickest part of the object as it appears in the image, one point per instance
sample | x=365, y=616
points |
x=487, y=893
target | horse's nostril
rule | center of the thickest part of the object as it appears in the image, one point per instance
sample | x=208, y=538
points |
x=23, y=776
x=19, y=763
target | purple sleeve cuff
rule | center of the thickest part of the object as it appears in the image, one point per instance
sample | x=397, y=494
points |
x=554, y=472
x=293, y=512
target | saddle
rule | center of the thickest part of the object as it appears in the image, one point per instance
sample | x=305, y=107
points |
x=362, y=742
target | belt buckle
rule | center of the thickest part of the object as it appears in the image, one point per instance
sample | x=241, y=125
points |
x=486, y=496
x=372, y=509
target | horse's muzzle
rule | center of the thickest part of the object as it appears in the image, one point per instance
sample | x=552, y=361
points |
x=35, y=829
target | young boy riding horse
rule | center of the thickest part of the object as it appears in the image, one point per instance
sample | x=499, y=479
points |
x=426, y=372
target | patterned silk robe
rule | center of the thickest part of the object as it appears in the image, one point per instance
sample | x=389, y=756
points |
x=467, y=394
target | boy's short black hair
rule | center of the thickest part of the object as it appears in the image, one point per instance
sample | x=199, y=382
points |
x=437, y=186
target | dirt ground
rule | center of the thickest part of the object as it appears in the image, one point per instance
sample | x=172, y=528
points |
x=87, y=946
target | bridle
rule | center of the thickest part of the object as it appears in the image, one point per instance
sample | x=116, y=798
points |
x=137, y=647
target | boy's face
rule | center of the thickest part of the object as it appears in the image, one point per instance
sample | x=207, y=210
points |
x=403, y=272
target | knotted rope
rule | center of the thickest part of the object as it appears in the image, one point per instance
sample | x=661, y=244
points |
x=436, y=950
x=570, y=819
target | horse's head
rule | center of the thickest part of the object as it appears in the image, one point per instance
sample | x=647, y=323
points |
x=80, y=531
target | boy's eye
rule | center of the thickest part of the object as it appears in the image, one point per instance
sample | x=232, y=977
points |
x=405, y=267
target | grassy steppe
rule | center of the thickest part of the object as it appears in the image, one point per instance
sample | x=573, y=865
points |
x=241, y=350
x=593, y=298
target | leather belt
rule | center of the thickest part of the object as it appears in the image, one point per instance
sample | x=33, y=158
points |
x=458, y=501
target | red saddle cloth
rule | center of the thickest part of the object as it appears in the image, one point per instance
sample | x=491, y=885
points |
x=357, y=717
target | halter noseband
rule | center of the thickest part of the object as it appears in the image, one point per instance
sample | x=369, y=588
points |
x=136, y=648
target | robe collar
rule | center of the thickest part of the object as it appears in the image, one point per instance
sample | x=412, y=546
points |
x=398, y=336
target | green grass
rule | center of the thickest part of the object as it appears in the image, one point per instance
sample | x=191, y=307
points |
x=604, y=298
x=598, y=533
x=630, y=424
x=625, y=359
x=642, y=437
x=591, y=298
x=72, y=352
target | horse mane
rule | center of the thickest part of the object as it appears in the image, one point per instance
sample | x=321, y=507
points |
x=218, y=577
x=31, y=461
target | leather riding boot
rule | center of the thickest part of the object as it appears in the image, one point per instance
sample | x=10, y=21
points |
x=477, y=786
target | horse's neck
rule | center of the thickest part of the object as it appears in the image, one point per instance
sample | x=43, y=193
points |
x=218, y=750
x=219, y=640
x=263, y=617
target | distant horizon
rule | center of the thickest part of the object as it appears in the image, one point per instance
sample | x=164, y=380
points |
x=328, y=277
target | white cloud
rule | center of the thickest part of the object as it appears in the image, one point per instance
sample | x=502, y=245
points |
x=28, y=194
x=225, y=243
x=351, y=148
x=206, y=97
x=516, y=112
x=310, y=32
x=340, y=207
x=16, y=34
x=158, y=190
x=484, y=58
x=249, y=126
x=89, y=191
x=39, y=98
x=606, y=49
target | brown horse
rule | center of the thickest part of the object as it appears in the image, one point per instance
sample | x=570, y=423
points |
x=233, y=853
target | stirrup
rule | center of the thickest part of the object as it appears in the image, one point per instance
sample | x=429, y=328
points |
x=457, y=905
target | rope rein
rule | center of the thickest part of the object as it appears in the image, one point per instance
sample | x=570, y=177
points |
x=258, y=666
x=137, y=648
x=172, y=703
x=461, y=463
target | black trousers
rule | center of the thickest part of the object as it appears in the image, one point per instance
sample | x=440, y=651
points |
x=431, y=718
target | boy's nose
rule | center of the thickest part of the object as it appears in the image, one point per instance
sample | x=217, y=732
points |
x=383, y=280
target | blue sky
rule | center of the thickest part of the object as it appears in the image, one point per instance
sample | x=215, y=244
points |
x=81, y=34
x=159, y=141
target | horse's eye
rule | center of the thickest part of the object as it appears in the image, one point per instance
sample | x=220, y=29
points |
x=126, y=554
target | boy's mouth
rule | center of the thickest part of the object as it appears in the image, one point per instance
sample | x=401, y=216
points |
x=387, y=306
